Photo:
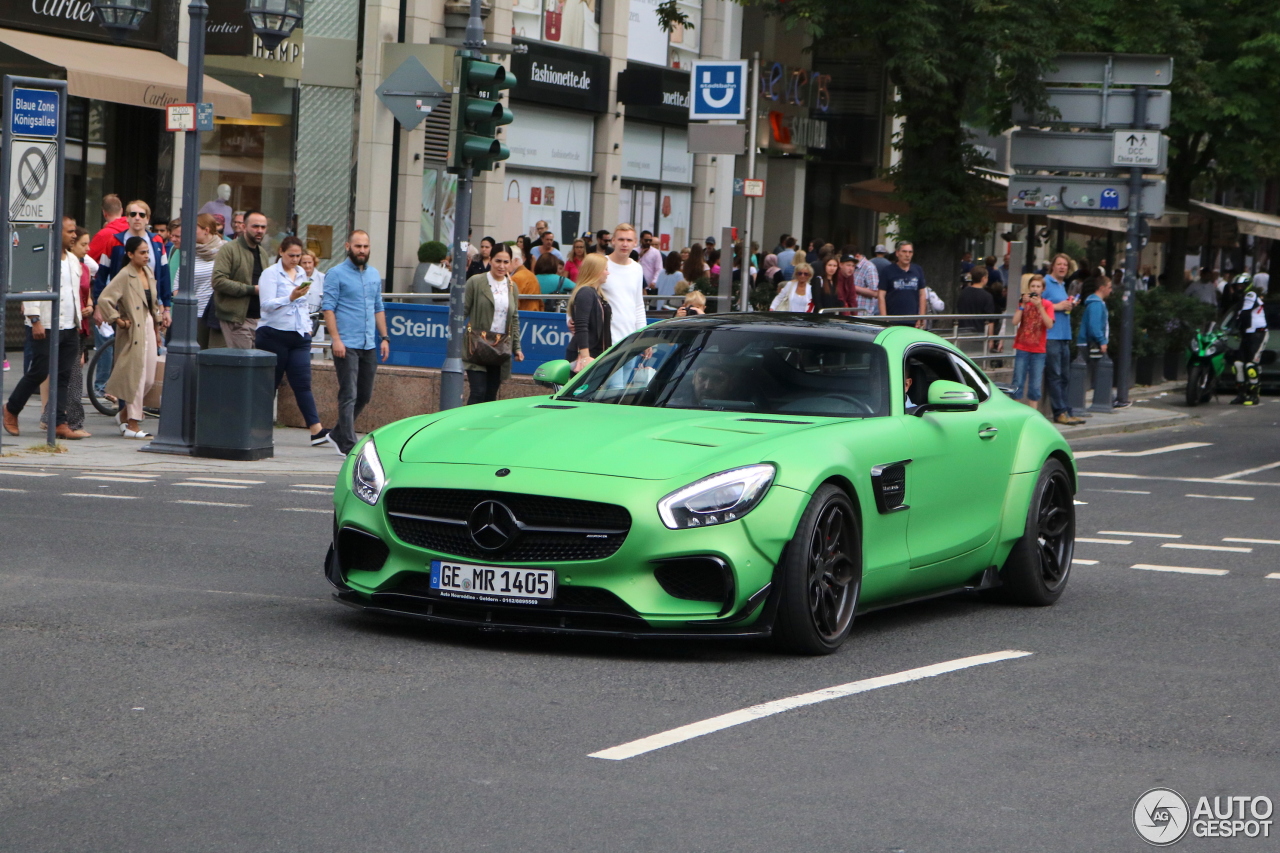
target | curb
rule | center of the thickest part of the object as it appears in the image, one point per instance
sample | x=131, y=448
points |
x=1160, y=418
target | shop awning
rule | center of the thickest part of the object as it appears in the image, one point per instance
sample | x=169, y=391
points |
x=125, y=75
x=1248, y=221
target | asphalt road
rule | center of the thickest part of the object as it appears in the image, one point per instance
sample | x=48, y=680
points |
x=175, y=677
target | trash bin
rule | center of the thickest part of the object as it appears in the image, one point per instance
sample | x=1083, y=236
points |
x=234, y=404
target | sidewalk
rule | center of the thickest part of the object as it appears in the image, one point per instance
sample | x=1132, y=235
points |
x=1145, y=413
x=108, y=451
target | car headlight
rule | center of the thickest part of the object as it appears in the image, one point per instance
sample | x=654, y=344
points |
x=367, y=476
x=717, y=499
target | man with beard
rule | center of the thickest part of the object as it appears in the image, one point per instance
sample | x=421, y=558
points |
x=357, y=325
x=236, y=271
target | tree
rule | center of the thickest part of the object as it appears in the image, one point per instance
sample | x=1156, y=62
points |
x=952, y=62
x=1226, y=85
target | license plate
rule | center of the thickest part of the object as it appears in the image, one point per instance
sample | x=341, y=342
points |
x=492, y=583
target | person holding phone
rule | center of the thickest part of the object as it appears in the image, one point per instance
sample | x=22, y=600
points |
x=695, y=303
x=1033, y=319
x=285, y=329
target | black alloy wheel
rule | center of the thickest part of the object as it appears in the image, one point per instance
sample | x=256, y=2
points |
x=1039, y=564
x=821, y=576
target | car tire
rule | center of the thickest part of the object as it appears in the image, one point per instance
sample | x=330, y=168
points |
x=820, y=576
x=1036, y=571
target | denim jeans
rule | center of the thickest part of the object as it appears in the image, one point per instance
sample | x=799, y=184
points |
x=356, y=372
x=1028, y=369
x=1057, y=374
x=293, y=357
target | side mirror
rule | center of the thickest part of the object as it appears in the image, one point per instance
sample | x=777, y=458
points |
x=555, y=374
x=948, y=396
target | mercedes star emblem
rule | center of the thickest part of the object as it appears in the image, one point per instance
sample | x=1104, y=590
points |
x=492, y=525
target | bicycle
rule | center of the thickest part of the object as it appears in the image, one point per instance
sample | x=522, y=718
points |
x=104, y=404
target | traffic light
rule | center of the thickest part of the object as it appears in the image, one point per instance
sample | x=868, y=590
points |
x=478, y=113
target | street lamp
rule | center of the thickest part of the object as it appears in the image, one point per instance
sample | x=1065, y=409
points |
x=273, y=20
x=120, y=17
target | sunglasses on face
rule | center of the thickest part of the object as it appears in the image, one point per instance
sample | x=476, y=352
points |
x=802, y=275
x=136, y=213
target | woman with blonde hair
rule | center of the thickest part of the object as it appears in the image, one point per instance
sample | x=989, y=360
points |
x=796, y=295
x=590, y=313
x=576, y=255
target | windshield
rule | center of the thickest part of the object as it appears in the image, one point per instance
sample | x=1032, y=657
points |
x=767, y=371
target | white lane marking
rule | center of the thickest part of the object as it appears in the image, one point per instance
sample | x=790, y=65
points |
x=1274, y=576
x=1114, y=476
x=302, y=509
x=153, y=587
x=1135, y=533
x=768, y=709
x=210, y=503
x=1120, y=491
x=16, y=491
x=1252, y=541
x=1075, y=561
x=1187, y=546
x=1081, y=503
x=104, y=478
x=91, y=495
x=1186, y=570
x=225, y=480
x=312, y=486
x=1246, y=472
x=1089, y=454
x=1189, y=445
x=211, y=485
x=324, y=494
x=1105, y=541
x=28, y=473
x=1222, y=497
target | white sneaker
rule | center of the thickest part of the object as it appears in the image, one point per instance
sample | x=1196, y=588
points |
x=336, y=449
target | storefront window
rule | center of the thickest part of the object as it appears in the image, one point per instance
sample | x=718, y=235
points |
x=653, y=159
x=547, y=148
x=247, y=164
x=647, y=42
x=568, y=23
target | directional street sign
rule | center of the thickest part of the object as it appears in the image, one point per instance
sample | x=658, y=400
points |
x=1081, y=152
x=410, y=92
x=33, y=184
x=1084, y=108
x=1041, y=194
x=1137, y=148
x=1127, y=69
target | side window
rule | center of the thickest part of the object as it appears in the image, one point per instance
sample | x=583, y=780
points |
x=973, y=378
x=923, y=365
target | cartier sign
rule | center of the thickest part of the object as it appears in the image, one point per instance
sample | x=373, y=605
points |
x=74, y=19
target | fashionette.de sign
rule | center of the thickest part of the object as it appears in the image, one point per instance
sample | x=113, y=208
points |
x=548, y=73
x=561, y=77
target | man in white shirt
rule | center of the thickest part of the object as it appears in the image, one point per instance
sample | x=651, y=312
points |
x=40, y=322
x=624, y=288
x=650, y=259
x=1262, y=280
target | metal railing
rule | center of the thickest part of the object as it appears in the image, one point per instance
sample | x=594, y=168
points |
x=978, y=346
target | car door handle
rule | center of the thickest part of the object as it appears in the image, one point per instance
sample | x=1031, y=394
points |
x=987, y=431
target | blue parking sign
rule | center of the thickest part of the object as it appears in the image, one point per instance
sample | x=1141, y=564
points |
x=719, y=90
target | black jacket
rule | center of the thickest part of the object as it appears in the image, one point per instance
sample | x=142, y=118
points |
x=591, y=318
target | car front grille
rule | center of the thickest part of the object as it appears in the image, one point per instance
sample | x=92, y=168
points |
x=551, y=529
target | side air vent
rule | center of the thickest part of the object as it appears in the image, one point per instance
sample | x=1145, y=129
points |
x=361, y=552
x=889, y=484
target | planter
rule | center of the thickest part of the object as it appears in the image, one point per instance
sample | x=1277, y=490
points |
x=1144, y=370
x=1175, y=365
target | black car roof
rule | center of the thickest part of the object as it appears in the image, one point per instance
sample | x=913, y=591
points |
x=826, y=324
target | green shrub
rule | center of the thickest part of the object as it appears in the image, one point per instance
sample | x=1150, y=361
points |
x=432, y=252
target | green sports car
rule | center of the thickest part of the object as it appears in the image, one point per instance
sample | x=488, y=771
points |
x=740, y=475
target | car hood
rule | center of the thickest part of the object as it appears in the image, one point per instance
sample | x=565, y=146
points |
x=593, y=438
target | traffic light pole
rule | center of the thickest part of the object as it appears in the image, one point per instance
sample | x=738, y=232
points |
x=1132, y=258
x=451, y=383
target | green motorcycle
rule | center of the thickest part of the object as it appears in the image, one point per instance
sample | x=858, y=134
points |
x=1206, y=361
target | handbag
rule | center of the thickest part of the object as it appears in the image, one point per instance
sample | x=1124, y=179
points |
x=490, y=349
x=570, y=220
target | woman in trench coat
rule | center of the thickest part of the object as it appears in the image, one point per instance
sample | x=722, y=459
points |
x=131, y=303
x=491, y=306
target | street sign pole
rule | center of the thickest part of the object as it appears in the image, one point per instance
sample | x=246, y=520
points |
x=52, y=172
x=1132, y=258
x=451, y=384
x=177, y=431
x=745, y=275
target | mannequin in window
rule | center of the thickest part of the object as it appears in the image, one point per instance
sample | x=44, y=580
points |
x=221, y=206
